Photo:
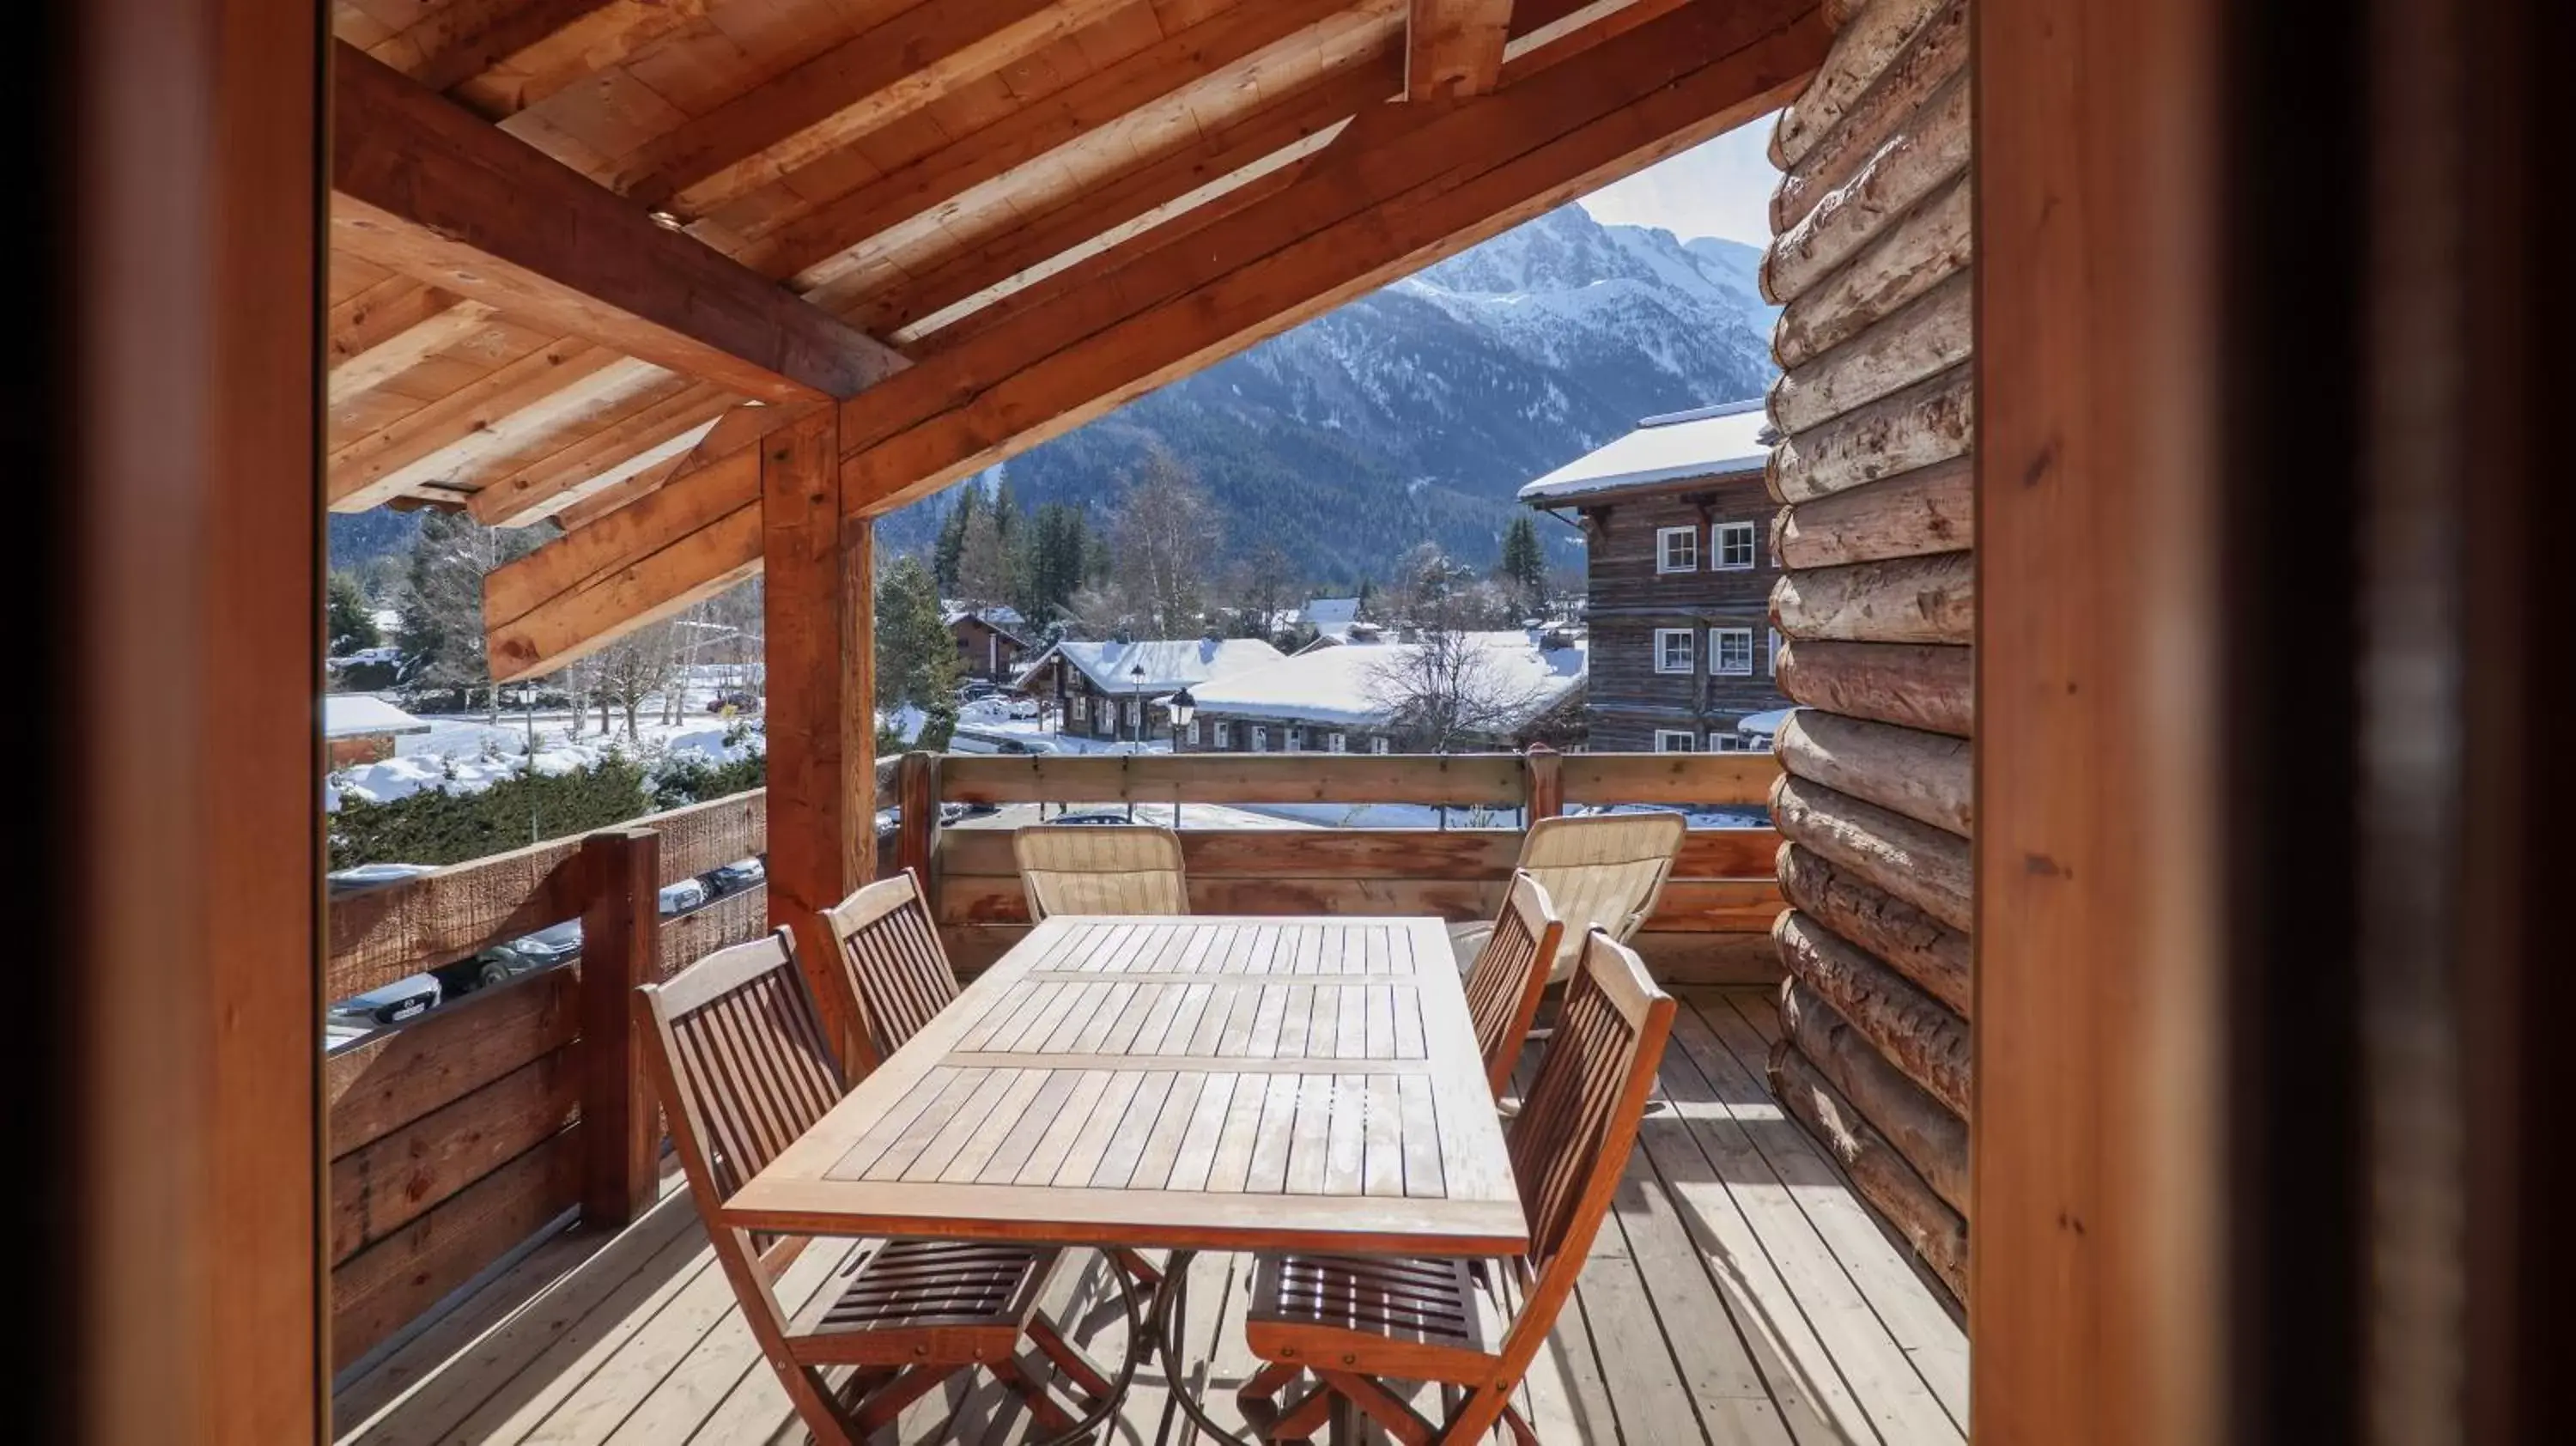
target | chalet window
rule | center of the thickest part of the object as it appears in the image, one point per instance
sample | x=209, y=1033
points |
x=1225, y=735
x=1774, y=668
x=1260, y=739
x=1337, y=743
x=1081, y=708
x=1676, y=549
x=1725, y=743
x=1672, y=650
x=1377, y=745
x=1676, y=740
x=1733, y=544
x=1135, y=712
x=1194, y=733
x=1295, y=740
x=1730, y=652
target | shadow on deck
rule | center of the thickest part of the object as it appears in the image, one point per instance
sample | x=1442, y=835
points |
x=1740, y=1293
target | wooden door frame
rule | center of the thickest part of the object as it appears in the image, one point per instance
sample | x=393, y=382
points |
x=173, y=435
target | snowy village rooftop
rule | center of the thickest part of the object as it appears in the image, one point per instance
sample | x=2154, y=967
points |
x=1704, y=442
x=1349, y=684
x=1168, y=662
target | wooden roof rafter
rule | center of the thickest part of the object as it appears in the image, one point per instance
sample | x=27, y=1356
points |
x=1400, y=186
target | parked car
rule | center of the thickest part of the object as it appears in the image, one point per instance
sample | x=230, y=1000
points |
x=549, y=946
x=734, y=877
x=1094, y=816
x=974, y=689
x=951, y=812
x=681, y=897
x=409, y=997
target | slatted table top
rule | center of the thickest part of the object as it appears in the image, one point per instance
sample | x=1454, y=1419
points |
x=1223, y=1083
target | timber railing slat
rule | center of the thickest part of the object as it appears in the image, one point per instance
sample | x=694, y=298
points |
x=1493, y=780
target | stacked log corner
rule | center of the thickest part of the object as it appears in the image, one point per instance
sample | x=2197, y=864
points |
x=1875, y=408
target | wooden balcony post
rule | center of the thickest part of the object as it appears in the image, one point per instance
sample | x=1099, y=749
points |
x=820, y=621
x=917, y=840
x=621, y=947
x=1543, y=783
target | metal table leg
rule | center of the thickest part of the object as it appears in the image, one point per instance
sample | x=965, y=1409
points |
x=1139, y=1341
x=1168, y=1325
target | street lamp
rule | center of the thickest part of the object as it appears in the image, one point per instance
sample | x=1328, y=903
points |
x=1136, y=677
x=1182, y=708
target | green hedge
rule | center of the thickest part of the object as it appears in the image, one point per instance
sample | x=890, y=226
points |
x=435, y=826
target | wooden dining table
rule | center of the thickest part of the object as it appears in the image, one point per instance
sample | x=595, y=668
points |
x=1300, y=1084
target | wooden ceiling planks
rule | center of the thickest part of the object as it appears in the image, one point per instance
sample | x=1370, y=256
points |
x=1400, y=187
x=1454, y=47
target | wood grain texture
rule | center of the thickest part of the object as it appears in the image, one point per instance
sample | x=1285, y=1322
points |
x=1925, y=423
x=1930, y=1134
x=1925, y=776
x=1901, y=600
x=1938, y=1233
x=1931, y=687
x=398, y=1077
x=1925, y=866
x=1919, y=251
x=426, y=188
x=1066, y=1095
x=1938, y=49
x=1927, y=151
x=1921, y=513
x=1903, y=937
x=1905, y=1024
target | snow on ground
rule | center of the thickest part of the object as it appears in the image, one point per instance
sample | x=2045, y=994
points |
x=465, y=752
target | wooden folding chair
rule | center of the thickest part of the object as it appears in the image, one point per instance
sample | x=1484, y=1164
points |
x=1352, y=1324
x=1601, y=871
x=900, y=977
x=891, y=957
x=1077, y=869
x=1510, y=974
x=738, y=1055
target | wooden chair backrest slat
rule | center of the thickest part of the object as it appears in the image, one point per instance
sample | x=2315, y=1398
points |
x=746, y=1057
x=1570, y=1142
x=1510, y=974
x=897, y=970
x=1602, y=871
x=1073, y=869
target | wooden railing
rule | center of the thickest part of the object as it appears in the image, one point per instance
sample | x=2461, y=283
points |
x=461, y=1136
x=1712, y=924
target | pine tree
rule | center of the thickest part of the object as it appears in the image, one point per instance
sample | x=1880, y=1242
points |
x=349, y=621
x=951, y=547
x=1524, y=566
x=916, y=655
x=441, y=638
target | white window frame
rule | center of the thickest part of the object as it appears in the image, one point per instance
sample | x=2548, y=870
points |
x=1663, y=656
x=1664, y=537
x=1665, y=738
x=1379, y=745
x=1081, y=707
x=1773, y=668
x=1260, y=739
x=1337, y=743
x=1720, y=534
x=1725, y=742
x=1292, y=739
x=1194, y=733
x=1224, y=734
x=1135, y=712
x=1718, y=638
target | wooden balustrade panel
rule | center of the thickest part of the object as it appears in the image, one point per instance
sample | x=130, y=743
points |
x=418, y=924
x=381, y=1186
x=1701, y=778
x=1485, y=779
x=398, y=1077
x=733, y=919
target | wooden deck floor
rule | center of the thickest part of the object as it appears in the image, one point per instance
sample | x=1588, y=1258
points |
x=1740, y=1294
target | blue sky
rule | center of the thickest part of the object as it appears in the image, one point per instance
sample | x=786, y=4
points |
x=1719, y=188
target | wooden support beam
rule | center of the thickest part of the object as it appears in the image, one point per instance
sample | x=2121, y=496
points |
x=819, y=621
x=1454, y=47
x=913, y=57
x=425, y=188
x=2108, y=1012
x=1025, y=132
x=621, y=949
x=1402, y=187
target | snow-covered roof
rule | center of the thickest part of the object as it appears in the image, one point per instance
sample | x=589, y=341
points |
x=1349, y=684
x=1767, y=723
x=353, y=715
x=1708, y=442
x=1006, y=621
x=1169, y=663
x=1333, y=616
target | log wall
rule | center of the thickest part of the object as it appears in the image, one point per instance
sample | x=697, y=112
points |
x=1876, y=405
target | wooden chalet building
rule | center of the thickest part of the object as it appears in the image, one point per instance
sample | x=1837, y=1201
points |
x=990, y=642
x=1109, y=690
x=1679, y=565
x=1344, y=697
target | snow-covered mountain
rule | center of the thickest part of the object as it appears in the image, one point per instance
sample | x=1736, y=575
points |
x=1418, y=411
